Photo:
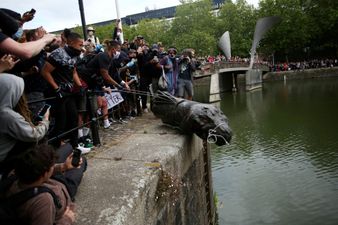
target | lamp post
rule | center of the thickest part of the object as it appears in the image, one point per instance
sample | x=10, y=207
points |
x=83, y=20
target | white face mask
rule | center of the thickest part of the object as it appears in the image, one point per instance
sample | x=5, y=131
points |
x=90, y=33
x=117, y=54
x=18, y=33
x=118, y=34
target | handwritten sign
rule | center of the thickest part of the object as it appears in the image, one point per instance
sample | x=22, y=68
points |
x=113, y=99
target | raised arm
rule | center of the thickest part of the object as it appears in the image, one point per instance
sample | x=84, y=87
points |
x=25, y=50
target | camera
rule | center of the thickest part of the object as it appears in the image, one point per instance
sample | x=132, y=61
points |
x=156, y=59
x=76, y=157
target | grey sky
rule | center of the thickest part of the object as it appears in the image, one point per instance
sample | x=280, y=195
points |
x=60, y=14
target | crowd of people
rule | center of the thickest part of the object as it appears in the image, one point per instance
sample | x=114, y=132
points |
x=297, y=66
x=274, y=67
x=49, y=86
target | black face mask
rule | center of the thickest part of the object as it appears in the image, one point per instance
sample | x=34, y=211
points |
x=72, y=52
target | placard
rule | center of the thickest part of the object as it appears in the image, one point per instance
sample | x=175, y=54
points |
x=113, y=99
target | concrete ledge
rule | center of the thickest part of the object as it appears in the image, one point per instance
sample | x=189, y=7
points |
x=120, y=184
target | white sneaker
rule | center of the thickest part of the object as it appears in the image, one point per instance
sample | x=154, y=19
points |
x=145, y=110
x=83, y=149
x=106, y=126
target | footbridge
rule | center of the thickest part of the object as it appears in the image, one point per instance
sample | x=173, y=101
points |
x=223, y=76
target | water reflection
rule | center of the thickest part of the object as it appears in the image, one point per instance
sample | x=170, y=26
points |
x=282, y=165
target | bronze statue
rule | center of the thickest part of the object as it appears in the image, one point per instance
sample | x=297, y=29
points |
x=205, y=120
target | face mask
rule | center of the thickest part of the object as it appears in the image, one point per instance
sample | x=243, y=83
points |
x=72, y=52
x=117, y=54
x=118, y=33
x=18, y=34
x=90, y=33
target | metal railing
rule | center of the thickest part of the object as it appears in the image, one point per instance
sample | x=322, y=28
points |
x=93, y=121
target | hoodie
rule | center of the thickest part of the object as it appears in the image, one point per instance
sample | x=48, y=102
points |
x=13, y=126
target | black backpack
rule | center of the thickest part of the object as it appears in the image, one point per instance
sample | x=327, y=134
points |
x=88, y=74
x=9, y=205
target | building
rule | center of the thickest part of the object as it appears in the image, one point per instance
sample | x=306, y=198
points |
x=167, y=13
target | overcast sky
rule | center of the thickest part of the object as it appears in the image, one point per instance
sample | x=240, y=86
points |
x=59, y=14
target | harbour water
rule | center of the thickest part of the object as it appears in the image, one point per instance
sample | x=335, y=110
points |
x=282, y=164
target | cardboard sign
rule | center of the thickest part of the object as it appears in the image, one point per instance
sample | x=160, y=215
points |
x=113, y=99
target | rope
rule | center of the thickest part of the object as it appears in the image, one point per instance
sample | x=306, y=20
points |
x=212, y=137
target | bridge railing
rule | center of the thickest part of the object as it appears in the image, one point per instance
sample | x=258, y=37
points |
x=210, y=68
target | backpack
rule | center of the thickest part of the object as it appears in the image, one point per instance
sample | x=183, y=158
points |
x=9, y=205
x=86, y=74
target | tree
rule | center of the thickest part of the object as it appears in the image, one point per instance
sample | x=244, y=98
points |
x=194, y=27
x=323, y=17
x=292, y=35
x=153, y=30
x=239, y=19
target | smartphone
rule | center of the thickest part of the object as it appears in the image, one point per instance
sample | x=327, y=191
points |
x=44, y=110
x=76, y=157
x=33, y=11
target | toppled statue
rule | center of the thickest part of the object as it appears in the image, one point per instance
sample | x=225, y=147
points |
x=205, y=120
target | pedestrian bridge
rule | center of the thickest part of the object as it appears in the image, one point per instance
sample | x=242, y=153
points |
x=222, y=77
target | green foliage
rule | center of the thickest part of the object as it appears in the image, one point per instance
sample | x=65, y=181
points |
x=193, y=27
x=293, y=31
x=153, y=31
x=239, y=19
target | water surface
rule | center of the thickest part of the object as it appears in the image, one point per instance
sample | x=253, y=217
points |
x=282, y=164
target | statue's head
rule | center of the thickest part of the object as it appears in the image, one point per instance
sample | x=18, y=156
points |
x=213, y=124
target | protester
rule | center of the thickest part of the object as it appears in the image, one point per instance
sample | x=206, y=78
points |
x=98, y=69
x=185, y=76
x=117, y=34
x=174, y=60
x=92, y=37
x=150, y=70
x=130, y=73
x=17, y=130
x=35, y=168
x=60, y=73
x=168, y=66
x=9, y=26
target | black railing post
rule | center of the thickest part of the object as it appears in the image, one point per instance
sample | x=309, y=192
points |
x=94, y=126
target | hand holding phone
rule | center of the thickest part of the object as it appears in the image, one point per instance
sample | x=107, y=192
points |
x=76, y=157
x=28, y=16
x=44, y=112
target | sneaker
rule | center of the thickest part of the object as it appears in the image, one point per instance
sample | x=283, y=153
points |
x=83, y=149
x=88, y=143
x=145, y=110
x=123, y=121
x=107, y=126
x=111, y=120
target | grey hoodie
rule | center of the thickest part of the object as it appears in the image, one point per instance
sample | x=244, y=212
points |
x=13, y=127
